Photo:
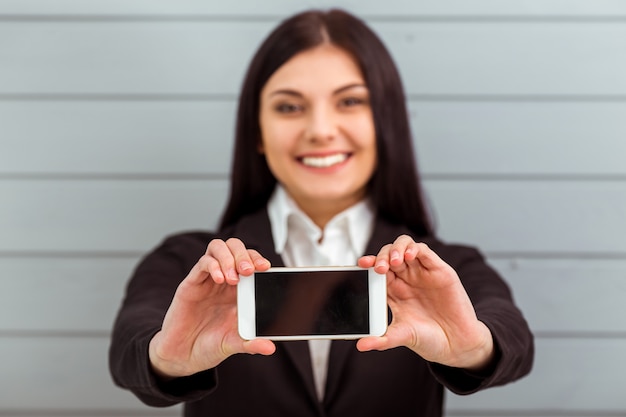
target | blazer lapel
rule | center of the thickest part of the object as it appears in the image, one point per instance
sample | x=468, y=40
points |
x=299, y=354
x=255, y=231
x=337, y=359
x=341, y=350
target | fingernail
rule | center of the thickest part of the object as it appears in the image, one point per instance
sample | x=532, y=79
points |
x=395, y=255
x=245, y=265
x=260, y=262
x=232, y=274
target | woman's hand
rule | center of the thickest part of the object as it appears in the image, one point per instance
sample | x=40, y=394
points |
x=432, y=313
x=200, y=327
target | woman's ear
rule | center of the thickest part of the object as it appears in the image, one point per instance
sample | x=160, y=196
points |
x=259, y=147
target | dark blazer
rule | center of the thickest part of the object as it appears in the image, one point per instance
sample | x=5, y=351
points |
x=396, y=382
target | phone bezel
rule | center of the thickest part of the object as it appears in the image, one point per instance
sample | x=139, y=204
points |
x=377, y=287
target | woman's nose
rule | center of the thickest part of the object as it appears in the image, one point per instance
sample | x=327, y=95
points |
x=322, y=124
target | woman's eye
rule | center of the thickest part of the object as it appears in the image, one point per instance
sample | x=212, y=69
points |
x=351, y=101
x=287, y=108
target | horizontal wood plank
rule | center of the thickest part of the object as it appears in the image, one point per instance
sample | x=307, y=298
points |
x=539, y=8
x=62, y=295
x=107, y=215
x=520, y=138
x=576, y=296
x=117, y=137
x=501, y=59
x=575, y=375
x=533, y=59
x=537, y=217
x=543, y=218
x=196, y=137
x=62, y=373
x=73, y=296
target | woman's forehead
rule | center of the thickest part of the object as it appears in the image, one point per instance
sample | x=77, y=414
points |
x=323, y=67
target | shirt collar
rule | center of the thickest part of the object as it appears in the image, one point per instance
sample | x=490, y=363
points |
x=359, y=218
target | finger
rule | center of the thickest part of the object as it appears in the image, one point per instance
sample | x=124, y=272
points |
x=381, y=262
x=366, y=261
x=259, y=346
x=391, y=339
x=243, y=263
x=369, y=343
x=411, y=251
x=207, y=266
x=428, y=258
x=218, y=249
x=260, y=263
x=224, y=256
x=398, y=250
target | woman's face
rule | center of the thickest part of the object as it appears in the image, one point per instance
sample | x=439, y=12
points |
x=318, y=132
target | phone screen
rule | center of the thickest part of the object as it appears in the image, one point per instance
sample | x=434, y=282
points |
x=312, y=303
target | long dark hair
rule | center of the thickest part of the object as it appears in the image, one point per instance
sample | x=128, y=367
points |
x=394, y=188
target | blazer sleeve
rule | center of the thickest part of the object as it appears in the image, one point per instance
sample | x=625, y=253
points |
x=494, y=306
x=148, y=296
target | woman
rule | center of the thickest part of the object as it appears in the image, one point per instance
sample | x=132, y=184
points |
x=323, y=173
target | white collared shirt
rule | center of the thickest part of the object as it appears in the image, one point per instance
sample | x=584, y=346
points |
x=300, y=242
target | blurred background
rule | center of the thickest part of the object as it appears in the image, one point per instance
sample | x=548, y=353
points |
x=116, y=126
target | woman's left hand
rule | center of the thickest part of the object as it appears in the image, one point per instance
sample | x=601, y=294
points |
x=432, y=313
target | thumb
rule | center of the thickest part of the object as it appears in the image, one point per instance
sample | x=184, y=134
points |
x=259, y=346
x=391, y=339
x=369, y=343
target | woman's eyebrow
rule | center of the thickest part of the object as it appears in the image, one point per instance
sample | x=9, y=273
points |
x=296, y=93
x=287, y=92
x=349, y=87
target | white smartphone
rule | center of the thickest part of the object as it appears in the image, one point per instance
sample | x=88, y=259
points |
x=312, y=303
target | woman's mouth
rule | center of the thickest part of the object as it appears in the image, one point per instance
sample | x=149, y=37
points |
x=324, y=161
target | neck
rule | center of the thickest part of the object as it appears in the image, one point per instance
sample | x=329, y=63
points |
x=323, y=212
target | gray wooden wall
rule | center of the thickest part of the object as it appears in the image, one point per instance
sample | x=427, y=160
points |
x=115, y=129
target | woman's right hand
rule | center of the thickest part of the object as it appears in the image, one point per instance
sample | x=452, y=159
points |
x=200, y=327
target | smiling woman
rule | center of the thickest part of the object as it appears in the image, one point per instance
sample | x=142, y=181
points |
x=317, y=131
x=394, y=187
x=321, y=113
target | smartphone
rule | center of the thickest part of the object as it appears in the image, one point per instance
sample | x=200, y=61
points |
x=312, y=303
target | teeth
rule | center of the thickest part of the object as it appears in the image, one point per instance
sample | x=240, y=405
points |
x=324, y=161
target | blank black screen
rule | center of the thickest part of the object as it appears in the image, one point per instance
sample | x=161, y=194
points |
x=312, y=303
